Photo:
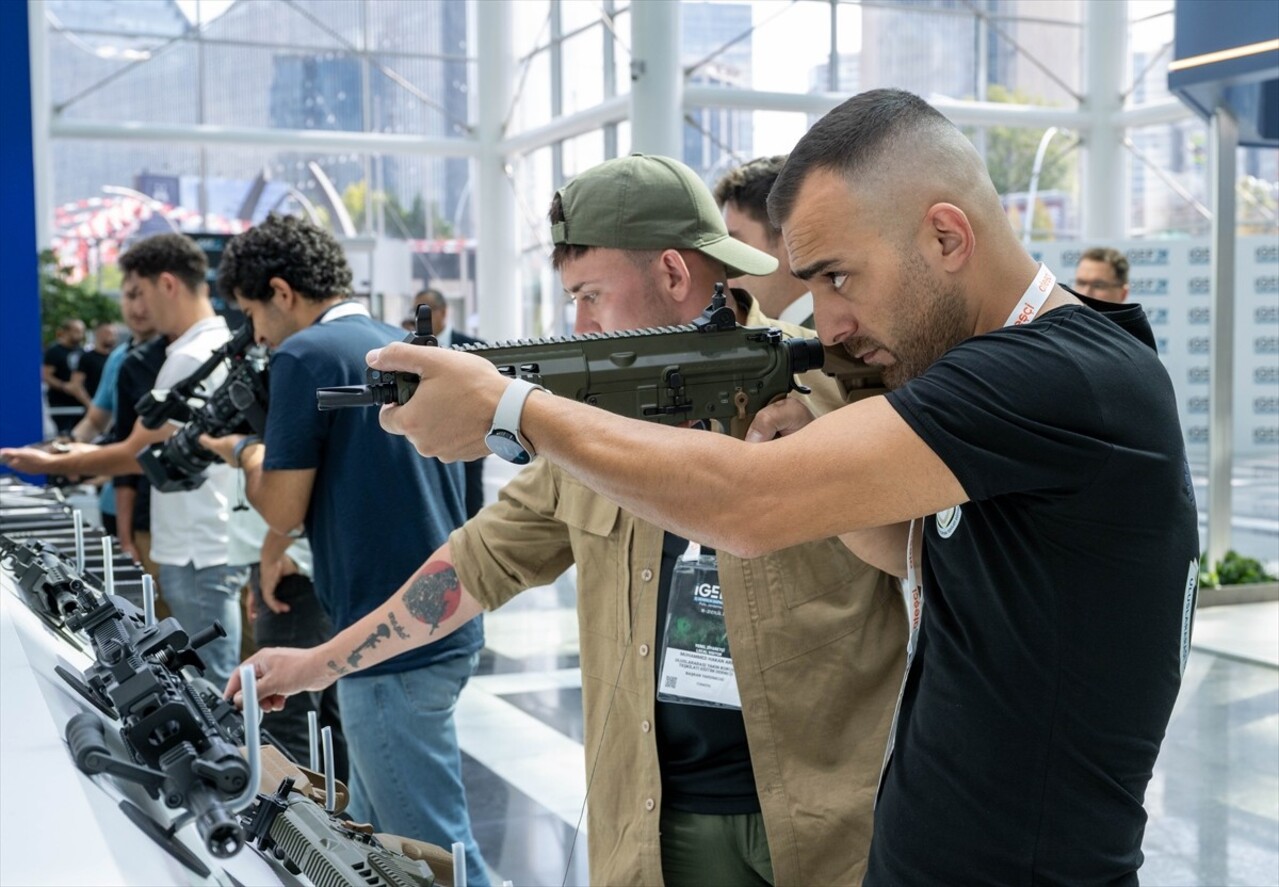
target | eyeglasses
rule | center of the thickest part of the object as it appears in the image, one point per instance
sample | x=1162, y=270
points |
x=1096, y=285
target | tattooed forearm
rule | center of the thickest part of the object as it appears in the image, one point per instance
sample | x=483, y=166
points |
x=335, y=668
x=397, y=628
x=379, y=634
x=434, y=595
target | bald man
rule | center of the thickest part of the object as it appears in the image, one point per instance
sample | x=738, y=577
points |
x=1026, y=474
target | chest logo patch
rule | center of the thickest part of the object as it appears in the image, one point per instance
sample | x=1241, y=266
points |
x=947, y=521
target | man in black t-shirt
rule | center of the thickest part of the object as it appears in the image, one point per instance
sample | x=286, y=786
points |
x=61, y=360
x=88, y=373
x=1026, y=474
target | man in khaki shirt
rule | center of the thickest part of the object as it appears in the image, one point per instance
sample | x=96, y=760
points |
x=780, y=791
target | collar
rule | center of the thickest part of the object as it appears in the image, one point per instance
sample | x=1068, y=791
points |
x=195, y=329
x=345, y=308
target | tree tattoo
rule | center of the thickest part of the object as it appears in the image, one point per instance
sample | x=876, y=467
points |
x=434, y=595
x=398, y=628
x=379, y=634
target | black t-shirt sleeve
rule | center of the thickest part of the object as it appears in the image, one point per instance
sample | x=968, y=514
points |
x=1007, y=412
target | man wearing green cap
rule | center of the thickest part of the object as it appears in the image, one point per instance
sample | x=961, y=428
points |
x=773, y=784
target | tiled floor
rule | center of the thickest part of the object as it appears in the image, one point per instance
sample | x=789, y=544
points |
x=1213, y=801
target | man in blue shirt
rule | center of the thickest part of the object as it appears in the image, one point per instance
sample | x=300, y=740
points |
x=370, y=505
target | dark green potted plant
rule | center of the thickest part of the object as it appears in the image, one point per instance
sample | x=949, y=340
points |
x=1236, y=580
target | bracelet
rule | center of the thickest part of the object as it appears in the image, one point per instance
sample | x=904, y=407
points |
x=238, y=450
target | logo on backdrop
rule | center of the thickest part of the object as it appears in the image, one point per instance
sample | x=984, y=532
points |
x=947, y=521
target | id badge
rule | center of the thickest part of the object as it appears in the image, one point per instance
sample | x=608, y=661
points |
x=697, y=668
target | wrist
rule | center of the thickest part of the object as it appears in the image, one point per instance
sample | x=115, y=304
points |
x=237, y=451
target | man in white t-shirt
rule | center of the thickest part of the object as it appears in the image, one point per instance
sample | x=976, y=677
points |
x=189, y=529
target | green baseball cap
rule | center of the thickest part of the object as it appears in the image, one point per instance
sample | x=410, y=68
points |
x=646, y=202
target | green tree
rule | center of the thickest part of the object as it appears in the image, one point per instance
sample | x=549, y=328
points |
x=62, y=300
x=1010, y=151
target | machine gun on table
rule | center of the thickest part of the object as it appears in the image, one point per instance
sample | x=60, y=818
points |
x=179, y=752
x=710, y=369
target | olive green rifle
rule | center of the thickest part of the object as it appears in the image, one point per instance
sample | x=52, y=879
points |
x=710, y=369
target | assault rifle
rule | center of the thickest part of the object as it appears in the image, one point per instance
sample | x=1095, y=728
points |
x=179, y=751
x=328, y=850
x=711, y=368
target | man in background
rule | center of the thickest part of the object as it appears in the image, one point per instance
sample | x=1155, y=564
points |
x=742, y=194
x=1102, y=274
x=61, y=360
x=448, y=336
x=88, y=375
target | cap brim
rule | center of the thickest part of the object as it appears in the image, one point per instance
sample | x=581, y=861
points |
x=741, y=260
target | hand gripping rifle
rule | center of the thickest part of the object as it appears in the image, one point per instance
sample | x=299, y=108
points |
x=711, y=368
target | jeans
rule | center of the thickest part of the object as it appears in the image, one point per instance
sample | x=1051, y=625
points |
x=197, y=598
x=406, y=769
x=305, y=625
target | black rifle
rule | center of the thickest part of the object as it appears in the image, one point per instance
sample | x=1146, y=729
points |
x=711, y=369
x=179, y=752
x=238, y=404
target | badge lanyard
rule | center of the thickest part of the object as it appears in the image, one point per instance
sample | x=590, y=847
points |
x=697, y=666
x=1027, y=308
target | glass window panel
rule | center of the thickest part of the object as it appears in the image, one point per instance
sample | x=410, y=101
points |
x=577, y=13
x=1010, y=159
x=1167, y=175
x=417, y=28
x=533, y=99
x=162, y=19
x=1149, y=51
x=531, y=23
x=1258, y=191
x=158, y=86
x=583, y=56
x=943, y=49
x=424, y=96
x=280, y=24
x=581, y=153
x=621, y=37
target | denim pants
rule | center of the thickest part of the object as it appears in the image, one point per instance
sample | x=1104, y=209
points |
x=304, y=625
x=197, y=598
x=406, y=769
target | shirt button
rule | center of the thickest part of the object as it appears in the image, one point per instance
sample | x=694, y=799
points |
x=647, y=575
x=646, y=726
x=649, y=805
x=643, y=649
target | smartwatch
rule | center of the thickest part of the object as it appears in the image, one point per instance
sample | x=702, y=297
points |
x=504, y=438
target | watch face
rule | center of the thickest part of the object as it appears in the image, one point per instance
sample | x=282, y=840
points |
x=502, y=443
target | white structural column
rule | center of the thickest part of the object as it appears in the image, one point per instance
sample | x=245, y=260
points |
x=497, y=290
x=40, y=105
x=657, y=79
x=1105, y=30
x=1221, y=438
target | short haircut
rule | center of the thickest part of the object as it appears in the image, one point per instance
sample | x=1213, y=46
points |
x=852, y=138
x=747, y=187
x=302, y=254
x=167, y=253
x=432, y=297
x=1117, y=261
x=69, y=323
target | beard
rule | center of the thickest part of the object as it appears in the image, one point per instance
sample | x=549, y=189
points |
x=930, y=318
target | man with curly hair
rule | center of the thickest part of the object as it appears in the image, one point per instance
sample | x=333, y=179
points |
x=369, y=504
